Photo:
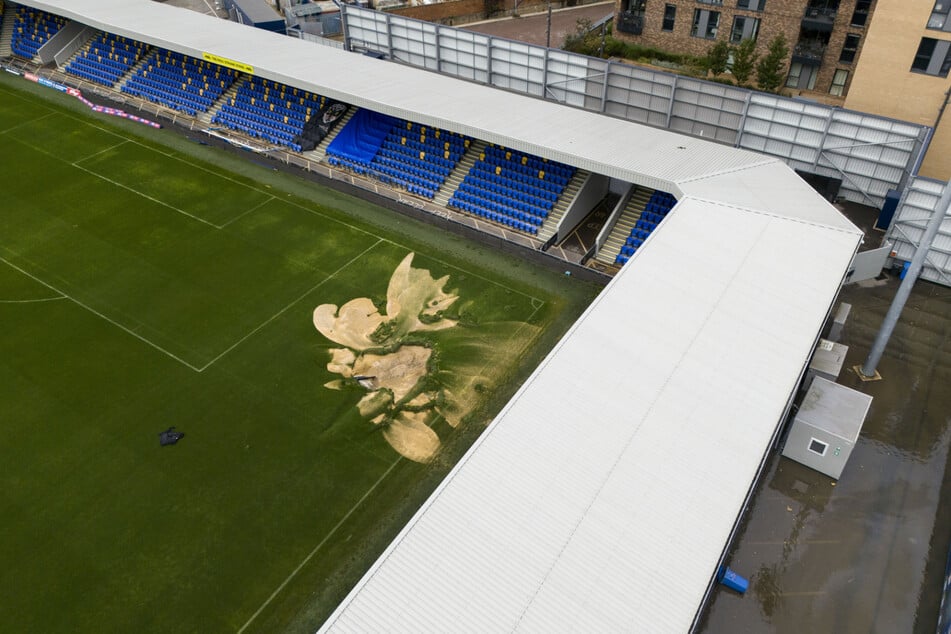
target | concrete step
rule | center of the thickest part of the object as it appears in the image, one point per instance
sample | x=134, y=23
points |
x=452, y=182
x=135, y=69
x=6, y=33
x=622, y=229
x=564, y=201
x=208, y=115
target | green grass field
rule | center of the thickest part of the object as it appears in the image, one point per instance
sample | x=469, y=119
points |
x=147, y=281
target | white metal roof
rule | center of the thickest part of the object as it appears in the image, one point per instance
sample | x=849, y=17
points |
x=602, y=496
x=616, y=148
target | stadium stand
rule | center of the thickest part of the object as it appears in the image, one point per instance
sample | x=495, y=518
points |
x=398, y=152
x=269, y=110
x=511, y=188
x=32, y=29
x=106, y=58
x=180, y=82
x=655, y=211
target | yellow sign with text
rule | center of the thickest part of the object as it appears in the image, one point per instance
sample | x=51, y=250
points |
x=229, y=63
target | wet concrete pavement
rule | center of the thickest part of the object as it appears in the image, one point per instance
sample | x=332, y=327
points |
x=531, y=28
x=866, y=553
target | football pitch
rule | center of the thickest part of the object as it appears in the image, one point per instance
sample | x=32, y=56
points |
x=327, y=360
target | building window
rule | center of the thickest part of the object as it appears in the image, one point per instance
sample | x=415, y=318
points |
x=751, y=5
x=705, y=24
x=744, y=28
x=670, y=15
x=933, y=57
x=717, y=2
x=850, y=48
x=817, y=446
x=860, y=15
x=838, y=82
x=802, y=76
x=939, y=16
x=637, y=7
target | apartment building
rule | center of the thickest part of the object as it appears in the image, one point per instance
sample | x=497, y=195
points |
x=904, y=72
x=825, y=36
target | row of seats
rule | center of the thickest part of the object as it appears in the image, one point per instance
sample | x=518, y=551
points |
x=397, y=151
x=32, y=29
x=532, y=184
x=180, y=82
x=655, y=210
x=523, y=202
x=107, y=58
x=257, y=128
x=509, y=158
x=543, y=200
x=499, y=218
x=270, y=110
x=496, y=203
x=512, y=167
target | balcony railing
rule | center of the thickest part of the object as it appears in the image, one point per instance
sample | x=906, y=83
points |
x=809, y=53
x=630, y=23
x=819, y=18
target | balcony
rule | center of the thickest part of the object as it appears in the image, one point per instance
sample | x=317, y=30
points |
x=630, y=23
x=819, y=19
x=809, y=53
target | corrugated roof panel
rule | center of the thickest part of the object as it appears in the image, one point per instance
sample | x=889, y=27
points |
x=634, y=468
x=774, y=189
x=617, y=148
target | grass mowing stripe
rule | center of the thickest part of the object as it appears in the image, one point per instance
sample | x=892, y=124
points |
x=293, y=303
x=98, y=314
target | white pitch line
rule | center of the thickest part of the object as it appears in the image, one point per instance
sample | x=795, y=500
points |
x=25, y=123
x=245, y=213
x=286, y=308
x=32, y=301
x=293, y=204
x=100, y=315
x=146, y=196
x=297, y=205
x=92, y=156
x=318, y=546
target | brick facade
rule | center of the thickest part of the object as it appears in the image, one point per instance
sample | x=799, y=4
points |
x=778, y=16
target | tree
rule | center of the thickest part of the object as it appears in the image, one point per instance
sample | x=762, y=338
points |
x=744, y=61
x=770, y=70
x=717, y=58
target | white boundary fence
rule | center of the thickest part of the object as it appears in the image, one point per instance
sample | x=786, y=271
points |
x=870, y=154
x=908, y=226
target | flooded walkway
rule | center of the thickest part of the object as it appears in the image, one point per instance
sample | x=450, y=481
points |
x=866, y=553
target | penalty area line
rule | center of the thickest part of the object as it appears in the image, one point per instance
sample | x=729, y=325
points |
x=146, y=196
x=291, y=304
x=310, y=556
x=245, y=213
x=100, y=315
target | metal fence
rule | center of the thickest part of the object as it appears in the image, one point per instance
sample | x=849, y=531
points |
x=870, y=154
x=907, y=228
